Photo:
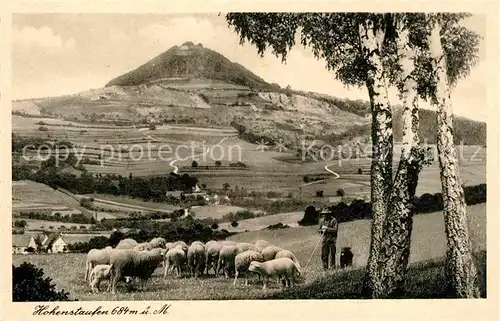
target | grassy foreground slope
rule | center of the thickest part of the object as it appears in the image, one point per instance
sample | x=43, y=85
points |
x=428, y=243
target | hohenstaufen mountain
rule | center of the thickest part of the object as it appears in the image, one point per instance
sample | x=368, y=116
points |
x=192, y=84
x=191, y=61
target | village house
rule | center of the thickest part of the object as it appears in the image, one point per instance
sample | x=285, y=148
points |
x=21, y=243
x=58, y=242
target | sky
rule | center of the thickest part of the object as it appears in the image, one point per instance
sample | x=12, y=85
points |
x=58, y=54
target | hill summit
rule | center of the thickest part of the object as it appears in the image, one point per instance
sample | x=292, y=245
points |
x=190, y=61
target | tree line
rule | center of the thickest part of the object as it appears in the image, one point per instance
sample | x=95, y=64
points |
x=361, y=209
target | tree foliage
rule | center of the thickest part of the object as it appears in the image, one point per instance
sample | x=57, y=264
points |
x=29, y=284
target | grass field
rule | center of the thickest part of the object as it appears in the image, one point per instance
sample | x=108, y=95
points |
x=428, y=242
x=127, y=203
x=216, y=212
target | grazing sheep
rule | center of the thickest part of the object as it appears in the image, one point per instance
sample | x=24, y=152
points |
x=261, y=244
x=196, y=259
x=226, y=259
x=99, y=273
x=209, y=243
x=346, y=257
x=158, y=242
x=169, y=245
x=288, y=254
x=174, y=259
x=276, y=268
x=269, y=252
x=135, y=264
x=242, y=262
x=247, y=247
x=95, y=257
x=198, y=242
x=182, y=244
x=126, y=244
x=212, y=256
x=143, y=247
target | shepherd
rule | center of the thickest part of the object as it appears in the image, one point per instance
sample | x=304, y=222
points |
x=329, y=228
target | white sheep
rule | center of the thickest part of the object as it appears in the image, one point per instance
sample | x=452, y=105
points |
x=145, y=246
x=169, y=245
x=226, y=259
x=99, y=273
x=174, y=259
x=269, y=252
x=242, y=262
x=181, y=244
x=127, y=243
x=261, y=244
x=209, y=243
x=95, y=257
x=196, y=259
x=276, y=268
x=288, y=254
x=157, y=242
x=212, y=256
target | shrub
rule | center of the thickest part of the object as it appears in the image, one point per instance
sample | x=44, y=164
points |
x=214, y=226
x=43, y=129
x=319, y=193
x=277, y=226
x=86, y=203
x=340, y=192
x=218, y=163
x=29, y=284
x=311, y=216
x=20, y=223
x=234, y=224
x=152, y=126
x=273, y=194
x=194, y=164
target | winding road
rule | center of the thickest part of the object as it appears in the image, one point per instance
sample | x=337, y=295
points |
x=322, y=180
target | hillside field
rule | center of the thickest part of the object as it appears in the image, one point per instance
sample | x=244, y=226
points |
x=428, y=242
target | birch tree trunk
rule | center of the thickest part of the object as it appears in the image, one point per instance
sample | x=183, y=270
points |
x=382, y=139
x=395, y=248
x=460, y=268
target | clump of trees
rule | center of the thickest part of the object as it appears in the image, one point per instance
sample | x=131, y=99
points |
x=29, y=284
x=423, y=56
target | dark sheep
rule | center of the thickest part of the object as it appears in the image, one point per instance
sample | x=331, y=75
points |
x=134, y=264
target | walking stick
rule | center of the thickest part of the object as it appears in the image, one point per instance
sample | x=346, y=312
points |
x=308, y=261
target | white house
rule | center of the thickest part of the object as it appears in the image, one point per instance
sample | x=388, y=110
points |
x=21, y=243
x=54, y=243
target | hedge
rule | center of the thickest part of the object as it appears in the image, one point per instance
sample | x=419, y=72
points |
x=360, y=209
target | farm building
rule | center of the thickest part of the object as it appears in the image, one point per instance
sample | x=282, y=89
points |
x=58, y=242
x=21, y=243
x=54, y=243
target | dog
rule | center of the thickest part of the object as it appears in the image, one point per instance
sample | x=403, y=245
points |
x=346, y=257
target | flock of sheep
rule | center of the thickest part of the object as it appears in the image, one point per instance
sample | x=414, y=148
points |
x=130, y=261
